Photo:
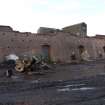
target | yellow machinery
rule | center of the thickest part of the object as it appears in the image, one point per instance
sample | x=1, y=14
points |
x=30, y=64
x=23, y=65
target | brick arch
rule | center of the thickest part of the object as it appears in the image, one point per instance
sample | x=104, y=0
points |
x=81, y=48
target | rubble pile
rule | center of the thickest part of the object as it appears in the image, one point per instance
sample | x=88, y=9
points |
x=32, y=64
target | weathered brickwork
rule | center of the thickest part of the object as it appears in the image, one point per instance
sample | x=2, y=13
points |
x=61, y=45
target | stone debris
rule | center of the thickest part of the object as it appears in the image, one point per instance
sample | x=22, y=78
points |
x=85, y=56
x=31, y=65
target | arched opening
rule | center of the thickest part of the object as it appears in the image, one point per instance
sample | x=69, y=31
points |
x=81, y=49
x=104, y=49
x=73, y=56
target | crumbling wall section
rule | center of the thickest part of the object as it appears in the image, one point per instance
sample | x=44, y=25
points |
x=61, y=44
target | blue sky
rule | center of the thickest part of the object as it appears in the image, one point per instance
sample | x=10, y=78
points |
x=29, y=15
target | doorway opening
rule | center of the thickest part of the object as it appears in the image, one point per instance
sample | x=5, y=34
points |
x=104, y=49
x=81, y=49
x=46, y=52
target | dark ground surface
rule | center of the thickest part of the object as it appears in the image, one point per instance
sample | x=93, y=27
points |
x=65, y=84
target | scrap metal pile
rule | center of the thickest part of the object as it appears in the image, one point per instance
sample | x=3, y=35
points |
x=30, y=65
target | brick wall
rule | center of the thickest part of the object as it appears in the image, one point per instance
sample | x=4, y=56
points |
x=62, y=44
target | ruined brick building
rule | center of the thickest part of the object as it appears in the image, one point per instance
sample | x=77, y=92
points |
x=56, y=44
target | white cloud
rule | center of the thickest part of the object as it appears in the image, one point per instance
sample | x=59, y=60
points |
x=96, y=24
x=65, y=6
x=29, y=15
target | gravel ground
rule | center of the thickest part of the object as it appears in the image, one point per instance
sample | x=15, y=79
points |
x=78, y=84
